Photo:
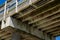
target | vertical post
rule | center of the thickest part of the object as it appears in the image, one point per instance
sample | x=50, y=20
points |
x=16, y=36
x=16, y=6
x=29, y=1
x=5, y=10
x=4, y=16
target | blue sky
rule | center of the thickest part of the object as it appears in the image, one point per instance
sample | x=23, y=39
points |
x=2, y=2
x=58, y=38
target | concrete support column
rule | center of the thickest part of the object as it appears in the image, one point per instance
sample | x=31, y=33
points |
x=14, y=23
x=16, y=36
x=53, y=38
x=47, y=37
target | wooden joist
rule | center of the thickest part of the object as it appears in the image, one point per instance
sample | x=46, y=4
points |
x=57, y=15
x=49, y=23
x=52, y=29
x=35, y=19
x=52, y=26
x=6, y=32
x=6, y=36
x=54, y=32
x=34, y=11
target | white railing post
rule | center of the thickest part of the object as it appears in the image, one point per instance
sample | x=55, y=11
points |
x=4, y=16
x=29, y=1
x=16, y=6
x=8, y=9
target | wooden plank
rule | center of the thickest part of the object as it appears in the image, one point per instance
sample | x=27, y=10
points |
x=30, y=17
x=6, y=37
x=41, y=18
x=35, y=19
x=25, y=5
x=5, y=33
x=52, y=29
x=54, y=32
x=36, y=9
x=51, y=26
x=49, y=23
x=47, y=19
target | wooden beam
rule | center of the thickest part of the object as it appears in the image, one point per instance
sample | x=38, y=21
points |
x=47, y=19
x=49, y=23
x=5, y=33
x=54, y=32
x=1, y=31
x=35, y=6
x=25, y=15
x=51, y=26
x=7, y=30
x=6, y=36
x=42, y=16
x=52, y=29
x=53, y=17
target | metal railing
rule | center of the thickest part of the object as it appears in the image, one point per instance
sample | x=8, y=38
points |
x=21, y=5
x=12, y=5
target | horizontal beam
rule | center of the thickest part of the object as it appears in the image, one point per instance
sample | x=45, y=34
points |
x=52, y=29
x=30, y=17
x=1, y=31
x=49, y=23
x=42, y=16
x=54, y=32
x=24, y=7
x=6, y=36
x=47, y=19
x=6, y=29
x=51, y=26
x=5, y=33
